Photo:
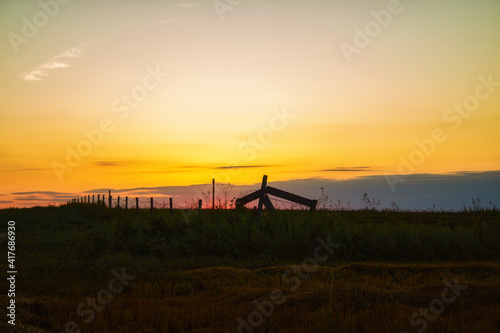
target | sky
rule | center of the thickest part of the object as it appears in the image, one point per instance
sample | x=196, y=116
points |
x=123, y=95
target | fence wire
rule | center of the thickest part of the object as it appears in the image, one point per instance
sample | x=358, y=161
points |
x=161, y=203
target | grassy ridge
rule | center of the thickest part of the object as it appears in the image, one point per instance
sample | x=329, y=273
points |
x=199, y=275
x=90, y=235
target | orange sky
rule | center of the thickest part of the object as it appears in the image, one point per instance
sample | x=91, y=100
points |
x=122, y=94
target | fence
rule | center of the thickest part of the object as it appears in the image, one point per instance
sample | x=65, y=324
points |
x=264, y=200
x=262, y=195
x=125, y=203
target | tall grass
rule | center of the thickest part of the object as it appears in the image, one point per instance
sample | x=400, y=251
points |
x=66, y=253
x=99, y=235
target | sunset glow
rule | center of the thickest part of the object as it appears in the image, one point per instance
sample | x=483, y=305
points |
x=128, y=94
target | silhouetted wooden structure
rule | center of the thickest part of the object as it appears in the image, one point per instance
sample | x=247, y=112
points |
x=264, y=200
x=261, y=194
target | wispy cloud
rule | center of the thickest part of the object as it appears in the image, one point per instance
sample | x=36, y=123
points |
x=24, y=169
x=41, y=193
x=109, y=164
x=178, y=20
x=34, y=198
x=350, y=169
x=243, y=166
x=57, y=62
x=184, y=5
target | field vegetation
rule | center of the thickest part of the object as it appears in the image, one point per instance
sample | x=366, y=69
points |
x=230, y=271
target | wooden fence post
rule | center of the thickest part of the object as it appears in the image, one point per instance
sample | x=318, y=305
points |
x=126, y=202
x=104, y=200
x=171, y=205
x=151, y=207
x=213, y=193
x=109, y=199
x=93, y=199
x=264, y=200
x=118, y=202
x=199, y=204
x=137, y=204
x=313, y=205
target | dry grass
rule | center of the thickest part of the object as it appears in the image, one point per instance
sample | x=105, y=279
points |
x=352, y=298
x=187, y=279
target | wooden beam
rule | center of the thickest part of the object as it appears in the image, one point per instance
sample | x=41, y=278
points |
x=152, y=205
x=262, y=195
x=289, y=196
x=248, y=198
x=268, y=203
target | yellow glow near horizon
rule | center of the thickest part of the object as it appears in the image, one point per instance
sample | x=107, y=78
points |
x=207, y=92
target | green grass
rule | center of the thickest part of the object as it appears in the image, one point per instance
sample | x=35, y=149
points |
x=201, y=274
x=77, y=237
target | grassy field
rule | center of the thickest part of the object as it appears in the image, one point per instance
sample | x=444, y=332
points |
x=94, y=269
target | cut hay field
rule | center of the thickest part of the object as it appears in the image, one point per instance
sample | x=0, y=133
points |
x=84, y=268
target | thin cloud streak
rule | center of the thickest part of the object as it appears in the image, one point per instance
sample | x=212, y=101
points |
x=349, y=169
x=105, y=164
x=41, y=192
x=57, y=62
x=243, y=167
